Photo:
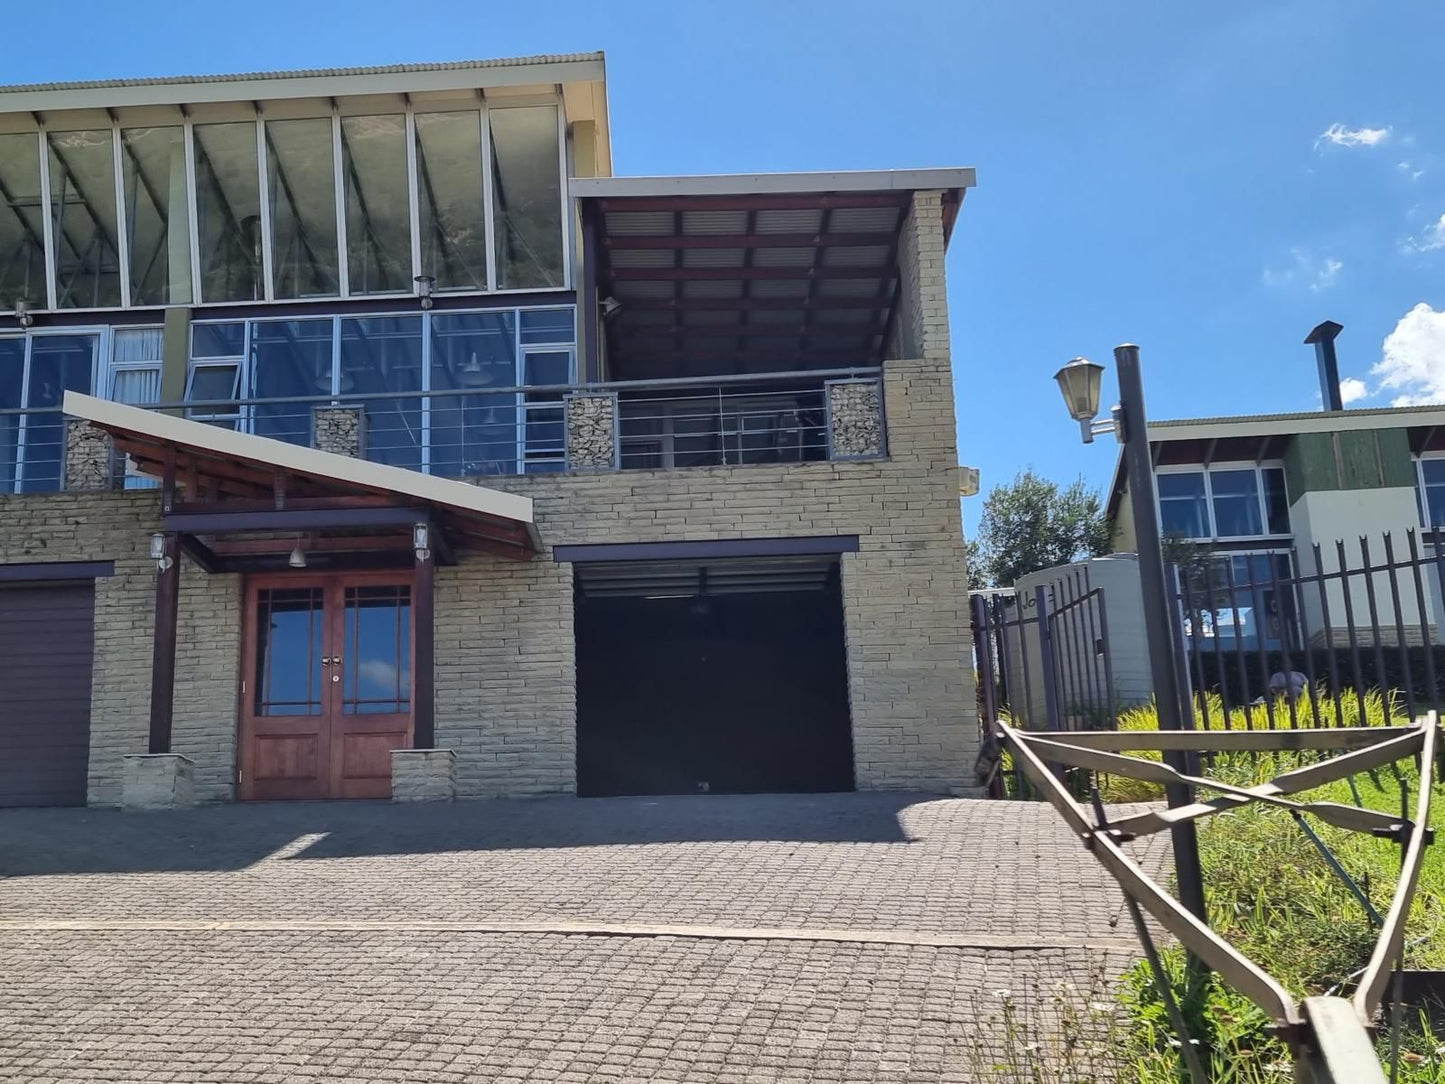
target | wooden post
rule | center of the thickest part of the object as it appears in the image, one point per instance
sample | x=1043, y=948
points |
x=423, y=704
x=163, y=657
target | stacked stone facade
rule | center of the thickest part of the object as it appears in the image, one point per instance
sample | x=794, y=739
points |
x=505, y=649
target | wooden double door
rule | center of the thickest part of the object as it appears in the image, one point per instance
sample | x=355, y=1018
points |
x=326, y=684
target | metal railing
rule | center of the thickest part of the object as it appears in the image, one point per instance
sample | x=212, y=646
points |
x=489, y=431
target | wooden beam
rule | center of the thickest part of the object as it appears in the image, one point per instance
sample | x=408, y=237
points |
x=163, y=647
x=202, y=554
x=669, y=274
x=293, y=519
x=240, y=547
x=802, y=202
x=791, y=332
x=747, y=304
x=423, y=623
x=751, y=240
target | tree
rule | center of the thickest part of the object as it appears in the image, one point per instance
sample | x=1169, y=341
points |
x=1030, y=524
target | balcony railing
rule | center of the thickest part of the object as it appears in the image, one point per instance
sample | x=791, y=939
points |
x=479, y=432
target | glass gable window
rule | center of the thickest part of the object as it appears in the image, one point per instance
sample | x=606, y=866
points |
x=449, y=187
x=527, y=198
x=1432, y=492
x=378, y=216
x=228, y=212
x=153, y=163
x=302, y=184
x=22, y=225
x=83, y=219
x=1224, y=502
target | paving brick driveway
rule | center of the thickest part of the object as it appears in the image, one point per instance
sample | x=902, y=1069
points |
x=729, y=939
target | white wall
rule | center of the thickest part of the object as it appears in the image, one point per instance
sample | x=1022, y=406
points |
x=1322, y=518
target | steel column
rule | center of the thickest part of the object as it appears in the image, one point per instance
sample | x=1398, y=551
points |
x=163, y=648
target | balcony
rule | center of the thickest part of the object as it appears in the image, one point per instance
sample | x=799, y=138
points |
x=718, y=421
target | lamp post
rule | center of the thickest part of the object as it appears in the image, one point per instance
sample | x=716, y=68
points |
x=1080, y=382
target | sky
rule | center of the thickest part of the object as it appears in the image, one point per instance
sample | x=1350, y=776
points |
x=1207, y=180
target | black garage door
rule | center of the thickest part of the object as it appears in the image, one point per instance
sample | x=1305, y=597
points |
x=46, y=640
x=725, y=677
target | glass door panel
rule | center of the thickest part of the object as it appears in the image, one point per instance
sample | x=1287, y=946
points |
x=290, y=646
x=376, y=656
x=58, y=363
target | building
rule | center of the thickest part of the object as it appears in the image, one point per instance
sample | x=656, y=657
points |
x=362, y=435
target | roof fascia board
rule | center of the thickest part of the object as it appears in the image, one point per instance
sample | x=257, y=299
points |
x=1347, y=421
x=300, y=86
x=226, y=442
x=739, y=184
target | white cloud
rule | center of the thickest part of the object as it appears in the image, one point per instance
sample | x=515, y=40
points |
x=1413, y=358
x=1341, y=136
x=1316, y=272
x=1353, y=390
x=1430, y=239
x=1409, y=170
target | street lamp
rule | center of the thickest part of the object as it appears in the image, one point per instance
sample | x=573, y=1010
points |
x=1080, y=382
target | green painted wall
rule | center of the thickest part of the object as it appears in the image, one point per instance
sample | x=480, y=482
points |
x=176, y=347
x=1356, y=459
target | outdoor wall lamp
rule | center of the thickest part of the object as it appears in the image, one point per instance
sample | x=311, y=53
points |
x=424, y=283
x=421, y=541
x=1080, y=381
x=158, y=552
x=23, y=315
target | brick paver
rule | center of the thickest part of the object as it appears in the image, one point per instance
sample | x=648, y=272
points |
x=348, y=953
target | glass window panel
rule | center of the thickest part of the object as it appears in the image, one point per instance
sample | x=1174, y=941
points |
x=1182, y=509
x=218, y=340
x=289, y=358
x=549, y=367
x=383, y=354
x=449, y=188
x=378, y=215
x=302, y=186
x=153, y=162
x=228, y=211
x=474, y=434
x=137, y=344
x=22, y=226
x=1433, y=473
x=137, y=387
x=213, y=382
x=12, y=381
x=547, y=326
x=58, y=363
x=1276, y=500
x=83, y=219
x=288, y=652
x=527, y=197
x=1236, y=503
x=377, y=656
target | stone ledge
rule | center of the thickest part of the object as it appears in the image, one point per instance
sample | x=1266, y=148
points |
x=158, y=781
x=423, y=775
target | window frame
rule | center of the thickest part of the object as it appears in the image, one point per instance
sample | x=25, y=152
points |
x=1261, y=496
x=1422, y=505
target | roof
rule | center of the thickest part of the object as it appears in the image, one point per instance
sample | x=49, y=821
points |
x=752, y=272
x=233, y=460
x=306, y=82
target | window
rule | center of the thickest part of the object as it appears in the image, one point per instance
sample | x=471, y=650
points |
x=22, y=226
x=383, y=354
x=135, y=378
x=1223, y=502
x=228, y=212
x=1430, y=491
x=526, y=198
x=449, y=188
x=83, y=222
x=1238, y=601
x=290, y=359
x=301, y=183
x=378, y=215
x=218, y=354
x=36, y=371
x=153, y=163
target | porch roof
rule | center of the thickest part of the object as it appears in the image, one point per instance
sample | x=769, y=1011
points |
x=245, y=467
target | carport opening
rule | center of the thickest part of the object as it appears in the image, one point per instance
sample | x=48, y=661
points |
x=724, y=677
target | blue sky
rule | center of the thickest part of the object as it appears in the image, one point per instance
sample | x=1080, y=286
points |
x=1150, y=172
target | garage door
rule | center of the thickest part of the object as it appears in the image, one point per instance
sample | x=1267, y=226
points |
x=46, y=639
x=723, y=677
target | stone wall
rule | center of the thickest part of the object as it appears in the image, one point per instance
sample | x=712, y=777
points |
x=592, y=431
x=89, y=457
x=117, y=526
x=338, y=429
x=855, y=419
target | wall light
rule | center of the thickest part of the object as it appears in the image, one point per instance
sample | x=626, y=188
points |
x=421, y=541
x=424, y=284
x=158, y=552
x=23, y=315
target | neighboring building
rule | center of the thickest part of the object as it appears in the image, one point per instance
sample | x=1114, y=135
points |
x=361, y=435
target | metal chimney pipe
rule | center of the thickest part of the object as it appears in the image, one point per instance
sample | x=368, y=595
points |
x=1322, y=337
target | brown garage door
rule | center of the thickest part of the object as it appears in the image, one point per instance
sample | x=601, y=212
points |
x=46, y=637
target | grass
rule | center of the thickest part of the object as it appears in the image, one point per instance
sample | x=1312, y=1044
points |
x=1273, y=896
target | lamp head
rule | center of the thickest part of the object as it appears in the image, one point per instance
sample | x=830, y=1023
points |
x=1080, y=381
x=424, y=284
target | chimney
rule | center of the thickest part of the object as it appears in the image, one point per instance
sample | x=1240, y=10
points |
x=1323, y=340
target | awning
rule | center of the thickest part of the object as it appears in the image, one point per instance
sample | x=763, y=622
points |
x=236, y=482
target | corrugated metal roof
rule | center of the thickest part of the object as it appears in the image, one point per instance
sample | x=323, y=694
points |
x=1307, y=416
x=308, y=73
